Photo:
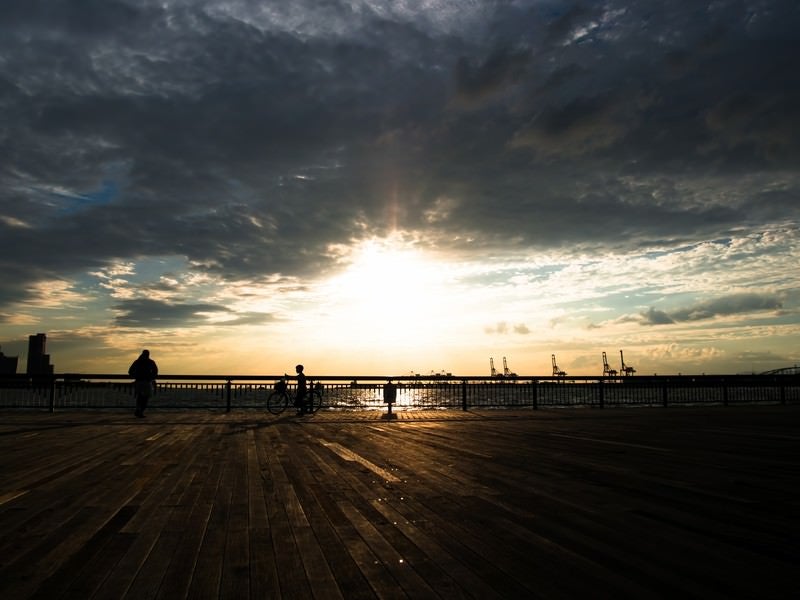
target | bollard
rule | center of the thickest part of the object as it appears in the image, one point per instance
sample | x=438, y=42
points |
x=389, y=397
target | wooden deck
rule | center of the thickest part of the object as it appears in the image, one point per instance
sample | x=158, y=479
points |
x=491, y=504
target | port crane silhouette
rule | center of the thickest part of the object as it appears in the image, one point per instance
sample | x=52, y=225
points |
x=626, y=370
x=506, y=372
x=556, y=371
x=607, y=371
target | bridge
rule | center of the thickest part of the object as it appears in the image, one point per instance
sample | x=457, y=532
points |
x=795, y=370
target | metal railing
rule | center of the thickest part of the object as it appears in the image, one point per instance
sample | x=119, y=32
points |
x=224, y=392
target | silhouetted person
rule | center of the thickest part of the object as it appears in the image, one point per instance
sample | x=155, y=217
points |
x=144, y=372
x=302, y=391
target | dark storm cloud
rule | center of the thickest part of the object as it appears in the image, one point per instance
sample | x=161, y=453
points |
x=728, y=305
x=734, y=304
x=249, y=141
x=69, y=17
x=503, y=67
x=144, y=312
x=657, y=317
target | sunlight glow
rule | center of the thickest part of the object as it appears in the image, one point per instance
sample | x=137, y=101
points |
x=390, y=292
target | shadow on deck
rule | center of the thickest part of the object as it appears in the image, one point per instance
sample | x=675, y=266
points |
x=573, y=503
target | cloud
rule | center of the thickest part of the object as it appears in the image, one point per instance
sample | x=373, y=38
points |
x=763, y=121
x=89, y=17
x=499, y=328
x=504, y=66
x=143, y=312
x=728, y=305
x=724, y=306
x=582, y=126
x=656, y=317
x=250, y=140
x=503, y=328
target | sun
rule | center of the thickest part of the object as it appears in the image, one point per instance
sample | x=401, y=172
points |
x=390, y=292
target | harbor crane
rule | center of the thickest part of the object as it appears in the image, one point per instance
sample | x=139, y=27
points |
x=607, y=371
x=506, y=372
x=494, y=371
x=626, y=370
x=556, y=371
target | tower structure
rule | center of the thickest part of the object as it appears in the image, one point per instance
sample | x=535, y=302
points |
x=38, y=359
x=8, y=364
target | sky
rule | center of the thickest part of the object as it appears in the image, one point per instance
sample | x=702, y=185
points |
x=387, y=187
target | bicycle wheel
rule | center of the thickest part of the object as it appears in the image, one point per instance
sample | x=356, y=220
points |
x=277, y=402
x=316, y=400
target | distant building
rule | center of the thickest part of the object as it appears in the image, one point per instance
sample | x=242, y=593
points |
x=8, y=364
x=38, y=359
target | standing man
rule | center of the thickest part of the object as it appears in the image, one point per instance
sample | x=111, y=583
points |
x=302, y=391
x=144, y=372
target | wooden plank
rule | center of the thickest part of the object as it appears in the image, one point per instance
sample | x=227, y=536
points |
x=207, y=573
x=318, y=498
x=428, y=565
x=198, y=532
x=464, y=549
x=493, y=504
x=44, y=553
x=380, y=579
x=156, y=515
x=566, y=538
x=450, y=501
x=288, y=557
x=97, y=549
x=400, y=567
x=264, y=582
x=235, y=582
x=95, y=571
x=308, y=522
x=441, y=507
x=408, y=544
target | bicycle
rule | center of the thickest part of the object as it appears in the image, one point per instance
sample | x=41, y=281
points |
x=278, y=400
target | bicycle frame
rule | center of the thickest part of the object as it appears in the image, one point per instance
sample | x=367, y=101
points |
x=279, y=399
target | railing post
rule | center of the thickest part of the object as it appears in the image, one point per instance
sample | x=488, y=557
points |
x=52, y=394
x=228, y=396
x=464, y=394
x=602, y=396
x=535, y=395
x=664, y=394
x=724, y=393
